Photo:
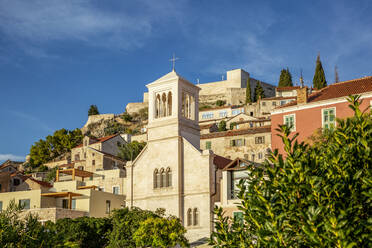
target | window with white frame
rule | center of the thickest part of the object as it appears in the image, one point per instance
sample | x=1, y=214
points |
x=25, y=203
x=290, y=121
x=208, y=115
x=260, y=155
x=208, y=145
x=329, y=118
x=223, y=113
x=237, y=111
x=259, y=140
x=108, y=207
x=115, y=190
x=73, y=203
x=237, y=142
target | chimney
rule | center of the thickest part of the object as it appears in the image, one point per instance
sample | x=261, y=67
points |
x=302, y=95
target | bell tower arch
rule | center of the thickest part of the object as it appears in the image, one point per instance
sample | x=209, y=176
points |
x=173, y=109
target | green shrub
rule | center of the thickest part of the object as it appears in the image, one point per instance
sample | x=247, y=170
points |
x=317, y=196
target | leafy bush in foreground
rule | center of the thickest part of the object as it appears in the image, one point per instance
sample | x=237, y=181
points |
x=318, y=196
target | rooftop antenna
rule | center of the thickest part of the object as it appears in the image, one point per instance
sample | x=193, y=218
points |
x=173, y=60
x=336, y=75
x=301, y=80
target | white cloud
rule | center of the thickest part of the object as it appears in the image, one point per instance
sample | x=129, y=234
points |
x=34, y=24
x=11, y=157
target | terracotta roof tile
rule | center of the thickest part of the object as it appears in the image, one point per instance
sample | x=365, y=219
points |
x=263, y=129
x=279, y=98
x=341, y=89
x=42, y=183
x=100, y=140
x=286, y=88
x=221, y=162
x=207, y=126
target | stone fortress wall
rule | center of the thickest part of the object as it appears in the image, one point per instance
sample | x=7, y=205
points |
x=232, y=90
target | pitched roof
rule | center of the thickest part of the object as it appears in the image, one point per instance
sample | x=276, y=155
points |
x=42, y=183
x=10, y=163
x=221, y=162
x=279, y=98
x=341, y=89
x=100, y=140
x=287, y=88
x=232, y=165
x=263, y=129
x=207, y=126
x=108, y=154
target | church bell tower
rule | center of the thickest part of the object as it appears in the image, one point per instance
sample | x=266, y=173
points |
x=173, y=109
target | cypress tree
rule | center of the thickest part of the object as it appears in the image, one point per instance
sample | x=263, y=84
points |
x=319, y=80
x=289, y=78
x=93, y=110
x=248, y=94
x=285, y=78
x=258, y=91
x=282, y=77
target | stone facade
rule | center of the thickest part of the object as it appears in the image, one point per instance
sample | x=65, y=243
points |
x=172, y=153
x=252, y=144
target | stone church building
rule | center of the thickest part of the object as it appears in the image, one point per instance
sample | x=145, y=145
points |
x=172, y=172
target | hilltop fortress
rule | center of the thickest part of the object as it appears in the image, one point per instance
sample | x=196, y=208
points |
x=232, y=90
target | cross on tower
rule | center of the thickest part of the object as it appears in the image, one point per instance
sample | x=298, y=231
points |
x=173, y=60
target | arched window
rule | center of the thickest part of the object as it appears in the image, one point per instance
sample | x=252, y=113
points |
x=169, y=103
x=169, y=177
x=183, y=105
x=157, y=106
x=189, y=217
x=156, y=178
x=163, y=182
x=187, y=110
x=195, y=217
x=163, y=105
x=192, y=107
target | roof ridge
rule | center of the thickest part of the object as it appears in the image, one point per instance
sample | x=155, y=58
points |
x=348, y=81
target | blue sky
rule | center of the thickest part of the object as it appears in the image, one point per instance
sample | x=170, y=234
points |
x=58, y=57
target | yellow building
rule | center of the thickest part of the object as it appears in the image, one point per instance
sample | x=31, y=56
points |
x=65, y=199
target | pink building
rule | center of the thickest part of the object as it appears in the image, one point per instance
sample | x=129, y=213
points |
x=320, y=109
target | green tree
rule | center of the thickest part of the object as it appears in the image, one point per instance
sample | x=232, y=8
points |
x=160, y=232
x=83, y=232
x=285, y=78
x=222, y=126
x=93, y=110
x=318, y=196
x=248, y=93
x=220, y=103
x=125, y=223
x=258, y=91
x=22, y=232
x=60, y=142
x=129, y=151
x=319, y=80
x=127, y=117
x=51, y=175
